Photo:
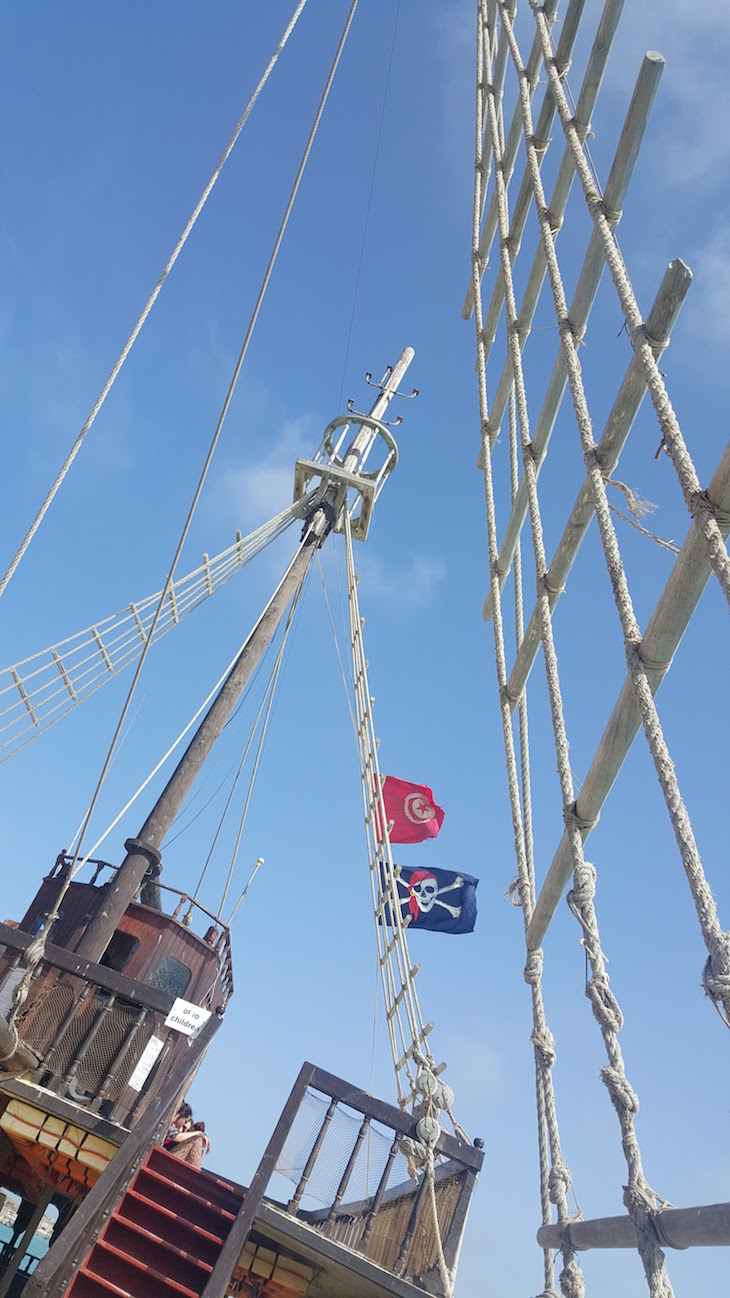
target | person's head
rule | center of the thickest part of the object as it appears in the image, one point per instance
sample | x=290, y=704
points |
x=184, y=1117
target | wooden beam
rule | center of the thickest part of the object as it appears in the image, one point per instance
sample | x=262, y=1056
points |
x=69, y=962
x=451, y=1146
x=676, y=1228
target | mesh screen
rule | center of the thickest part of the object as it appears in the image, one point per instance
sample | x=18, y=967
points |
x=99, y=1056
x=333, y=1156
x=44, y=1014
x=383, y=1236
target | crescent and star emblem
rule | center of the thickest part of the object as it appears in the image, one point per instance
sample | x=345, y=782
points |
x=418, y=808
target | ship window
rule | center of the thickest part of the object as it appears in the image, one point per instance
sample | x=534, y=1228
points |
x=119, y=951
x=170, y=976
x=40, y=920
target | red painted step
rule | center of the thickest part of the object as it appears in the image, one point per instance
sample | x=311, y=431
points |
x=164, y=1237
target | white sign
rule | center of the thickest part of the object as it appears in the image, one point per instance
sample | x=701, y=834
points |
x=145, y=1063
x=186, y=1017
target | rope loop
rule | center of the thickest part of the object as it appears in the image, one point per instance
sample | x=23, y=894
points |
x=540, y=146
x=652, y=664
x=656, y=345
x=544, y=584
x=533, y=967
x=622, y=1093
x=573, y=818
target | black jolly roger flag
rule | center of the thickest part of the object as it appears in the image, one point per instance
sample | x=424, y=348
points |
x=439, y=900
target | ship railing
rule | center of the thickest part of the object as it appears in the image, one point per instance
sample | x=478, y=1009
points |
x=99, y=1036
x=218, y=934
x=358, y=1196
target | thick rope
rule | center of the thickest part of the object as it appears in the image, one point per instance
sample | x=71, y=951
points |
x=697, y=503
x=201, y=481
x=150, y=302
x=717, y=941
x=558, y=1178
x=639, y=1198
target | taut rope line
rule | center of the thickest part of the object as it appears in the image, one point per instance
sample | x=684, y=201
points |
x=149, y=304
x=34, y=954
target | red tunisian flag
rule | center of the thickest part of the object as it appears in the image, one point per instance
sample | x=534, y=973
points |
x=412, y=809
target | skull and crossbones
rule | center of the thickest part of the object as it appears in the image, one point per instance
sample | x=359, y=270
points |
x=423, y=893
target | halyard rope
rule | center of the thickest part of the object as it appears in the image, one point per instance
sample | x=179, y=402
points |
x=150, y=303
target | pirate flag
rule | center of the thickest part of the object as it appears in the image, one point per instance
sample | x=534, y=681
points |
x=437, y=899
x=412, y=809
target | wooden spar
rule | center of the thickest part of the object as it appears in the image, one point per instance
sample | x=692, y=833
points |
x=676, y=1228
x=143, y=852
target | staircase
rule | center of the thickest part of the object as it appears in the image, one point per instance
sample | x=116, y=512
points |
x=164, y=1237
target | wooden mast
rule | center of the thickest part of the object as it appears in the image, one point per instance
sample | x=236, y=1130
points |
x=143, y=852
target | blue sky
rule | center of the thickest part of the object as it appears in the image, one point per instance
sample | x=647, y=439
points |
x=112, y=119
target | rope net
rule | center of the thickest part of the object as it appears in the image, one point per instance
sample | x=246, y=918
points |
x=507, y=313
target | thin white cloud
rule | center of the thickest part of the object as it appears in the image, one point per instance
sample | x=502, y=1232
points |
x=711, y=265
x=255, y=492
x=410, y=585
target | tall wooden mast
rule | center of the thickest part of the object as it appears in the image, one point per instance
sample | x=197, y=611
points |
x=144, y=852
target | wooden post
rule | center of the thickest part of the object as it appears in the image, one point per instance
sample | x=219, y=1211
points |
x=30, y=1230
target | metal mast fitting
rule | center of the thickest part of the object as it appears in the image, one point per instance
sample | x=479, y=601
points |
x=348, y=471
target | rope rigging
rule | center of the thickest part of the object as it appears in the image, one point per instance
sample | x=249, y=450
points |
x=38, y=691
x=150, y=302
x=497, y=47
x=34, y=953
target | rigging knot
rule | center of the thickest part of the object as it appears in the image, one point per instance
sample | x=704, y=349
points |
x=612, y=214
x=649, y=664
x=559, y=1180
x=604, y=1004
x=622, y=1093
x=572, y=1283
x=584, y=886
x=573, y=819
x=544, y=584
x=533, y=967
x=544, y=1043
x=702, y=504
x=716, y=975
